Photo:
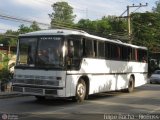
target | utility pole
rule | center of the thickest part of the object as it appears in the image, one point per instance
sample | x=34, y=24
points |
x=129, y=24
x=129, y=19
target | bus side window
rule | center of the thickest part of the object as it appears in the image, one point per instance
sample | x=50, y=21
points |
x=75, y=48
x=133, y=56
x=95, y=49
x=125, y=53
x=101, y=49
x=136, y=54
x=142, y=55
x=107, y=50
x=71, y=48
x=89, y=48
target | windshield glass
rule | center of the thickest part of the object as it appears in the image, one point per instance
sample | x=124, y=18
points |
x=41, y=52
x=49, y=51
x=27, y=51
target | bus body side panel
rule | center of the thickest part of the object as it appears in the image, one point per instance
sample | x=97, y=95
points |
x=140, y=79
x=140, y=72
x=107, y=75
x=71, y=83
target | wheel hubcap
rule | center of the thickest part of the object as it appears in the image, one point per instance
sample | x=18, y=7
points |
x=80, y=90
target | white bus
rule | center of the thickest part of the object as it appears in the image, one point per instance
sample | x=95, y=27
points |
x=72, y=63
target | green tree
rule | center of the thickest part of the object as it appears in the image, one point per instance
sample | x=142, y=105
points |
x=9, y=38
x=116, y=28
x=62, y=14
x=157, y=8
x=24, y=29
x=12, y=39
x=145, y=27
x=35, y=26
x=109, y=27
x=87, y=25
x=3, y=40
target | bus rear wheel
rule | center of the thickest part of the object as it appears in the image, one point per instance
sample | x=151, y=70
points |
x=80, y=91
x=130, y=85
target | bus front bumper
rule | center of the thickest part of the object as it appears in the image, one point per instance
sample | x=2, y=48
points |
x=39, y=90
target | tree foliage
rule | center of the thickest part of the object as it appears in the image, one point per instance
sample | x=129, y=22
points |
x=10, y=37
x=62, y=13
x=109, y=27
x=34, y=26
x=146, y=27
x=157, y=8
x=25, y=29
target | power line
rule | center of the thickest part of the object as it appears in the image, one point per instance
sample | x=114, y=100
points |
x=9, y=35
x=17, y=19
x=20, y=19
x=136, y=9
x=56, y=24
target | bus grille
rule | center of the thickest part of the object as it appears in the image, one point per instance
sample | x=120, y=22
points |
x=39, y=91
x=17, y=89
x=51, y=92
x=36, y=82
x=34, y=90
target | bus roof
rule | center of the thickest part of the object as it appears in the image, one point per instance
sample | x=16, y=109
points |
x=75, y=32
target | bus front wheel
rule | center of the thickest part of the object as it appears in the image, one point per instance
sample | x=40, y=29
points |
x=80, y=91
x=130, y=85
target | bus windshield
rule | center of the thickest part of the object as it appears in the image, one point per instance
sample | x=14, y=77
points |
x=41, y=52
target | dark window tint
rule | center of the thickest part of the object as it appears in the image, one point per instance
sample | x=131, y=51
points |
x=133, y=57
x=49, y=51
x=75, y=51
x=89, y=51
x=126, y=53
x=107, y=50
x=114, y=51
x=95, y=53
x=101, y=49
x=27, y=51
x=142, y=55
x=123, y=53
x=75, y=46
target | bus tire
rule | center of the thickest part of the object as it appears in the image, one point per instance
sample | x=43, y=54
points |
x=130, y=85
x=40, y=98
x=80, y=91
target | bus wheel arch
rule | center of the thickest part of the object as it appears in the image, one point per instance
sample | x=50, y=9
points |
x=82, y=89
x=131, y=83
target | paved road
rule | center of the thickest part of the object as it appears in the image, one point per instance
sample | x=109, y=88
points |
x=144, y=100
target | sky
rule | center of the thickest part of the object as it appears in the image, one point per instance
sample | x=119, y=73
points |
x=38, y=10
